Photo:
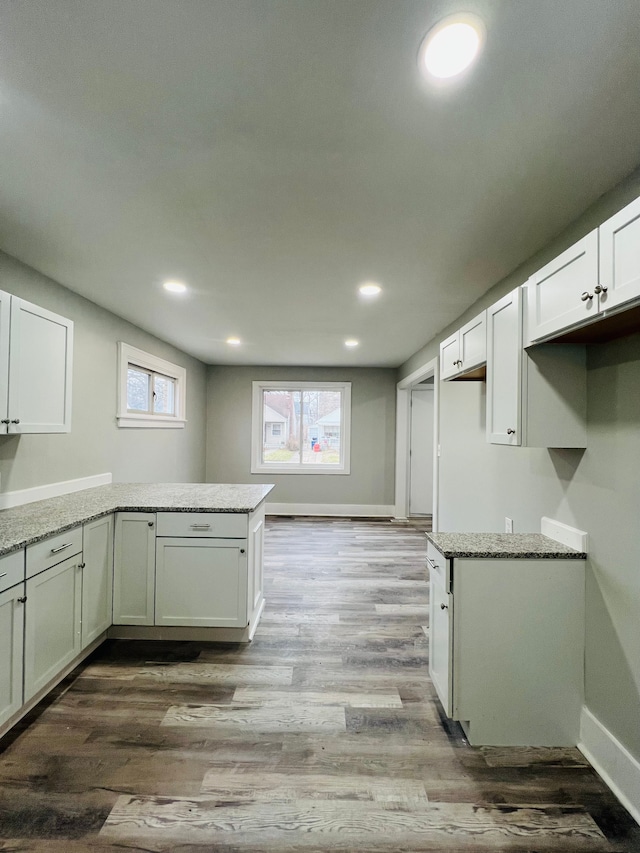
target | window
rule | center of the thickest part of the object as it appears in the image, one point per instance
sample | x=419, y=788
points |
x=151, y=391
x=301, y=427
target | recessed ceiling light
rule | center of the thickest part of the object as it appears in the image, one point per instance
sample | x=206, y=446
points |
x=234, y=342
x=175, y=286
x=370, y=288
x=351, y=342
x=451, y=46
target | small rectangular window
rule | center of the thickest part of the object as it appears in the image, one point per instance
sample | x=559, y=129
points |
x=152, y=391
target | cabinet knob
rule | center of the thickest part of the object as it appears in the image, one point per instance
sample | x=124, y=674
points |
x=600, y=288
x=242, y=550
x=443, y=607
x=16, y=421
x=586, y=297
x=150, y=523
x=511, y=431
x=5, y=421
x=22, y=599
x=81, y=565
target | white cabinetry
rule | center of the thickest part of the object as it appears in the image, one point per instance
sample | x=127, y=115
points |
x=134, y=568
x=620, y=257
x=465, y=350
x=36, y=349
x=53, y=623
x=535, y=398
x=97, y=578
x=507, y=643
x=11, y=633
x=201, y=582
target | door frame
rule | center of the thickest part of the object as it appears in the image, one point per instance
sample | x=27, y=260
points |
x=403, y=436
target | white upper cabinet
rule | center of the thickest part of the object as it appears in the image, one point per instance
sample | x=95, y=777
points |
x=620, y=257
x=36, y=351
x=536, y=398
x=563, y=293
x=465, y=350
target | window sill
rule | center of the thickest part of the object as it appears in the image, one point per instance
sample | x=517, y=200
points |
x=309, y=469
x=149, y=422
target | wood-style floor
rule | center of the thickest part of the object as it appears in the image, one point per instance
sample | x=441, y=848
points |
x=323, y=734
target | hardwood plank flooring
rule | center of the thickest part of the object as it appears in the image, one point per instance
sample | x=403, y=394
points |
x=323, y=734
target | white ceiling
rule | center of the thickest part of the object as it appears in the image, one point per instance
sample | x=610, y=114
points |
x=274, y=154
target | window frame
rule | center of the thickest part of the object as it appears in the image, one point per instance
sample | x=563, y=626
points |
x=129, y=356
x=257, y=428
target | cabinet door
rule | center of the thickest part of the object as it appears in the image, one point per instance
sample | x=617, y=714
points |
x=52, y=623
x=450, y=357
x=563, y=293
x=504, y=370
x=256, y=557
x=134, y=568
x=620, y=257
x=11, y=647
x=40, y=363
x=97, y=578
x=473, y=343
x=5, y=314
x=441, y=641
x=201, y=582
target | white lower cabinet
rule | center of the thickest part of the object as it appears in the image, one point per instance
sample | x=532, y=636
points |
x=97, y=578
x=134, y=568
x=52, y=637
x=201, y=582
x=11, y=650
x=255, y=575
x=506, y=641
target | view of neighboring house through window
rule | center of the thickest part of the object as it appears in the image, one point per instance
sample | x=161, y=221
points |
x=301, y=427
x=152, y=391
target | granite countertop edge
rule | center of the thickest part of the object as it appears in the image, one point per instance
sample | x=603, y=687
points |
x=27, y=524
x=512, y=546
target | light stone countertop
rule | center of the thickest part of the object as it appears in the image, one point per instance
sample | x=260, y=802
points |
x=513, y=546
x=23, y=525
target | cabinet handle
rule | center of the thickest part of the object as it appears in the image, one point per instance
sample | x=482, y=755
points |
x=511, y=431
x=432, y=564
x=201, y=527
x=444, y=607
x=62, y=547
x=242, y=550
x=22, y=599
x=81, y=565
x=16, y=421
x=586, y=297
x=150, y=523
x=5, y=421
x=600, y=288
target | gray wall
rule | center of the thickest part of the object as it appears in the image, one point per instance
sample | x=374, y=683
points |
x=372, y=435
x=597, y=490
x=95, y=444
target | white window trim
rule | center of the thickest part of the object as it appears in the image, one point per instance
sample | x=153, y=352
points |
x=131, y=355
x=257, y=429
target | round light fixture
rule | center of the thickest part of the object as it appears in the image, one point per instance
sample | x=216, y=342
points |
x=234, y=342
x=451, y=46
x=175, y=286
x=351, y=342
x=370, y=288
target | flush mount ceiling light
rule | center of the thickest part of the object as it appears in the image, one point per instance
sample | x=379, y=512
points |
x=451, y=46
x=234, y=342
x=351, y=342
x=175, y=286
x=370, y=288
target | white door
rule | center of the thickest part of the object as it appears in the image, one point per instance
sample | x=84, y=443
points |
x=620, y=257
x=40, y=367
x=563, y=293
x=5, y=316
x=52, y=623
x=97, y=578
x=11, y=646
x=421, y=451
x=504, y=370
x=201, y=582
x=134, y=567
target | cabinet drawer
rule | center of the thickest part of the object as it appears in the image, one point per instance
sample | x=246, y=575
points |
x=11, y=569
x=55, y=549
x=223, y=525
x=438, y=565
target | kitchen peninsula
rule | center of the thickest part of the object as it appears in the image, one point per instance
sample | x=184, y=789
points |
x=150, y=561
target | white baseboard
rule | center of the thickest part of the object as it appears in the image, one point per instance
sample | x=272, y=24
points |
x=52, y=490
x=362, y=510
x=612, y=761
x=569, y=536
